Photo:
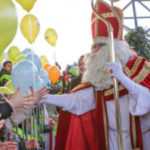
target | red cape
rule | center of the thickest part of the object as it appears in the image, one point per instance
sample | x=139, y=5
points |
x=86, y=132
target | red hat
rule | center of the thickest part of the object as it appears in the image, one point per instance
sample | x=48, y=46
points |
x=115, y=17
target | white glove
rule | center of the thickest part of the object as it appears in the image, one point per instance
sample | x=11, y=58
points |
x=117, y=72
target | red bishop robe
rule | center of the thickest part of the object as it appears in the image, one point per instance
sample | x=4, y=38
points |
x=90, y=130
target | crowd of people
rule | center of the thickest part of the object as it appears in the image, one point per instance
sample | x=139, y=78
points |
x=15, y=108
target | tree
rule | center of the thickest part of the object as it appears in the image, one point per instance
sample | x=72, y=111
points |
x=139, y=41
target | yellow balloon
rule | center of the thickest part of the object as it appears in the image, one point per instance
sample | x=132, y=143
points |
x=9, y=85
x=19, y=58
x=13, y=53
x=43, y=60
x=2, y=57
x=8, y=23
x=51, y=36
x=5, y=90
x=30, y=27
x=26, y=4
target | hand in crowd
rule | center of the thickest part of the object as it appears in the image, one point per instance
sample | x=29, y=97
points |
x=8, y=146
x=32, y=143
x=1, y=123
x=22, y=100
x=40, y=94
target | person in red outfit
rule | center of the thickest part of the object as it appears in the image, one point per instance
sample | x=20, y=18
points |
x=87, y=120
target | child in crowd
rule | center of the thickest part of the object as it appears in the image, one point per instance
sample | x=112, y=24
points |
x=5, y=73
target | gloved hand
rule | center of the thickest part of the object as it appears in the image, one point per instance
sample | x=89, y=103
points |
x=116, y=70
x=118, y=73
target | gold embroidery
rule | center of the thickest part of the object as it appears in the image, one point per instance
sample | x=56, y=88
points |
x=143, y=74
x=105, y=15
x=147, y=65
x=134, y=68
x=138, y=79
x=127, y=71
x=80, y=86
x=111, y=91
x=119, y=15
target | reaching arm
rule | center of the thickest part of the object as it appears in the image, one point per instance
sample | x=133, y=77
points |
x=77, y=103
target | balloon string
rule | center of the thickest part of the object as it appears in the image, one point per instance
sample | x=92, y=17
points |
x=54, y=57
x=30, y=31
x=30, y=27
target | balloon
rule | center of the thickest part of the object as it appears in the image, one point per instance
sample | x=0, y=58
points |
x=51, y=36
x=9, y=85
x=43, y=60
x=8, y=23
x=30, y=27
x=2, y=57
x=46, y=67
x=74, y=71
x=5, y=90
x=26, y=4
x=27, y=51
x=44, y=76
x=54, y=74
x=24, y=75
x=35, y=59
x=19, y=58
x=39, y=83
x=13, y=53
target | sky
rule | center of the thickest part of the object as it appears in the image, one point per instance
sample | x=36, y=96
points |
x=72, y=21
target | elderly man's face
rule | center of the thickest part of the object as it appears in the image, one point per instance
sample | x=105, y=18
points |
x=97, y=46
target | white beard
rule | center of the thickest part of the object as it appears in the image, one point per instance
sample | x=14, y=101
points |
x=97, y=73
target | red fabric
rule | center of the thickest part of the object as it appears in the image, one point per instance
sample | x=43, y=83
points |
x=62, y=130
x=100, y=123
x=139, y=133
x=115, y=22
x=86, y=132
x=81, y=132
x=139, y=140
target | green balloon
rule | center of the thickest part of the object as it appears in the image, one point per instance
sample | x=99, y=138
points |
x=8, y=23
x=74, y=71
x=13, y=53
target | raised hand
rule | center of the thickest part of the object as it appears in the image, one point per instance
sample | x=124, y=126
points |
x=32, y=143
x=40, y=94
x=8, y=145
x=22, y=100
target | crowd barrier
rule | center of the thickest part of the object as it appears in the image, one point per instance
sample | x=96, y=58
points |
x=35, y=130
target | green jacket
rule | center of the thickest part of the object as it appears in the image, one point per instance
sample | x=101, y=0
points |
x=5, y=76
